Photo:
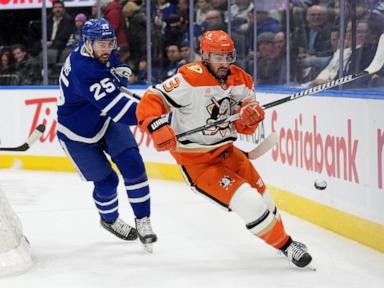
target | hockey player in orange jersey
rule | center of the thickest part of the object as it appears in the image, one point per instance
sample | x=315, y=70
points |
x=206, y=91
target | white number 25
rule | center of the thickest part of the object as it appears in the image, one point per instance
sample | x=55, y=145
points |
x=97, y=88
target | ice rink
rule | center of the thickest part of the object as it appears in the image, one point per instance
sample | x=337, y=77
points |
x=200, y=245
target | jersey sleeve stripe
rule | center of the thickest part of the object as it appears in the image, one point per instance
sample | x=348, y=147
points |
x=170, y=101
x=75, y=137
x=112, y=103
x=123, y=111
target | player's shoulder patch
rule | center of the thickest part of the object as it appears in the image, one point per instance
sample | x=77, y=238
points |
x=196, y=74
x=239, y=76
x=195, y=68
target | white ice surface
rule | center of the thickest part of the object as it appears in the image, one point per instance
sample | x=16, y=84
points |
x=200, y=245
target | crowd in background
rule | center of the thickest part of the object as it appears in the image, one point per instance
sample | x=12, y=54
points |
x=314, y=28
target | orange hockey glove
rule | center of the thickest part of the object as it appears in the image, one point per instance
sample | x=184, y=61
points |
x=164, y=138
x=251, y=113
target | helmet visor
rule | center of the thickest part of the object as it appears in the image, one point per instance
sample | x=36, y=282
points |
x=108, y=44
x=225, y=58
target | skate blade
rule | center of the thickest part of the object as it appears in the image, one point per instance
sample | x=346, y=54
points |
x=148, y=248
x=310, y=268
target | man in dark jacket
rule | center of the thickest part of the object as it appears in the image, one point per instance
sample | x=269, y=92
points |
x=27, y=68
x=60, y=26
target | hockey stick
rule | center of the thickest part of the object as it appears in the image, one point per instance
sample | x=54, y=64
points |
x=268, y=143
x=231, y=118
x=31, y=139
x=130, y=93
x=375, y=66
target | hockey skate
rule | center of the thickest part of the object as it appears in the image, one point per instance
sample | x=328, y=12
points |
x=145, y=233
x=120, y=229
x=297, y=253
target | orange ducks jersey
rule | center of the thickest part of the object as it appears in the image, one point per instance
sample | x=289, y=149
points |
x=195, y=98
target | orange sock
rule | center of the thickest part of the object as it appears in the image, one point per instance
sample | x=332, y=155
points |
x=276, y=236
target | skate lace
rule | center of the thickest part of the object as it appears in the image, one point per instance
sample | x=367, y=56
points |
x=300, y=245
x=295, y=251
x=144, y=226
x=121, y=227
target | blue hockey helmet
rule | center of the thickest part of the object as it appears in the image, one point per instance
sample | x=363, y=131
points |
x=98, y=29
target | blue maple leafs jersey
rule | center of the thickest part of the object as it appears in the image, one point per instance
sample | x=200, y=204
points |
x=90, y=98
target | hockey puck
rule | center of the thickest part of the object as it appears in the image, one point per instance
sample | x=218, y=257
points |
x=320, y=184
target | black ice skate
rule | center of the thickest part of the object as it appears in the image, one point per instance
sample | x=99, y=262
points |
x=297, y=253
x=120, y=229
x=145, y=233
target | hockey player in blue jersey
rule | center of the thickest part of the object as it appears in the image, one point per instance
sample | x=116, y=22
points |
x=93, y=120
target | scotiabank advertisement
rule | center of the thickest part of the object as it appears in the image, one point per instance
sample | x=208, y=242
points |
x=332, y=139
x=31, y=4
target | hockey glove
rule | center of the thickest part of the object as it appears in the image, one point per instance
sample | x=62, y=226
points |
x=251, y=113
x=164, y=138
x=122, y=74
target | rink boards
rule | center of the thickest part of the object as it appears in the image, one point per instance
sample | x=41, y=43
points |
x=328, y=137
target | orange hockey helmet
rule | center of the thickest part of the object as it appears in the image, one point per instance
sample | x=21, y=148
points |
x=219, y=43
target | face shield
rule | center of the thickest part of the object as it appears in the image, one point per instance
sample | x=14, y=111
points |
x=221, y=58
x=107, y=44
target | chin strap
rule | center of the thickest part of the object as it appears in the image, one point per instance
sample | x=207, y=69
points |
x=88, y=48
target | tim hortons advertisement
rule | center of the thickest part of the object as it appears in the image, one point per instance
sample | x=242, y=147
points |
x=336, y=140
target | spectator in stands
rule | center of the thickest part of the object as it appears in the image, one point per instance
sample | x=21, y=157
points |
x=185, y=52
x=142, y=75
x=280, y=60
x=27, y=68
x=336, y=12
x=312, y=42
x=183, y=10
x=265, y=64
x=161, y=12
x=362, y=9
x=174, y=61
x=214, y=20
x=379, y=8
x=113, y=13
x=239, y=13
x=7, y=60
x=220, y=5
x=136, y=19
x=125, y=56
x=365, y=51
x=264, y=22
x=175, y=30
x=203, y=6
x=330, y=72
x=75, y=37
x=60, y=26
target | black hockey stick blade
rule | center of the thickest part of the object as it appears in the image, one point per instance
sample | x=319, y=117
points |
x=39, y=130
